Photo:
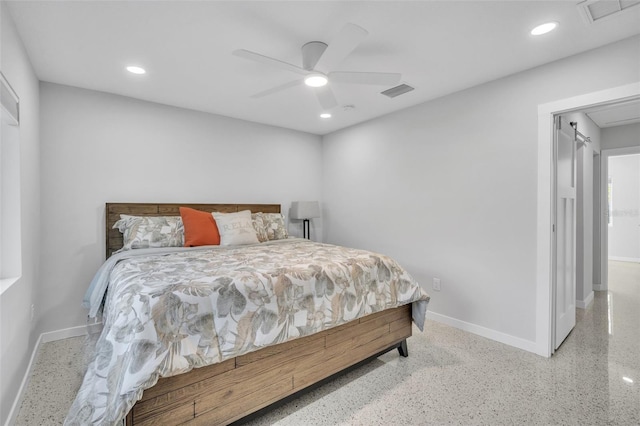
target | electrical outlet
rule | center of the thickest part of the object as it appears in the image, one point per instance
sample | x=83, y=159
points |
x=33, y=311
x=436, y=284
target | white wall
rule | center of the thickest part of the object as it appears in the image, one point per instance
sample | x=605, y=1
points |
x=584, y=204
x=621, y=136
x=17, y=337
x=624, y=234
x=99, y=148
x=449, y=189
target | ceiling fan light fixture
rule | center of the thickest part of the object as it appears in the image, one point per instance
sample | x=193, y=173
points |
x=316, y=80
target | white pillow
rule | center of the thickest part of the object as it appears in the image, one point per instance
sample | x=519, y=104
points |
x=235, y=228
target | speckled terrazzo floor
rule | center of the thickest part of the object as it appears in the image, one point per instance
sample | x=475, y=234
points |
x=450, y=377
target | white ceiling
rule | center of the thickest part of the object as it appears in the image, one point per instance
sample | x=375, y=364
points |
x=440, y=47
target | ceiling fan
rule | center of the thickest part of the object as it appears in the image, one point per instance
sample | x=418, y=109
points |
x=319, y=62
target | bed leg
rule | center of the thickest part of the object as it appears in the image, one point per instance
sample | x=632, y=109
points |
x=403, y=349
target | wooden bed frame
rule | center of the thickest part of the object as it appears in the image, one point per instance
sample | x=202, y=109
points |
x=224, y=393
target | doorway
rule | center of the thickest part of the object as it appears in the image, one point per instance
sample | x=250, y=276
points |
x=621, y=223
x=597, y=223
x=546, y=271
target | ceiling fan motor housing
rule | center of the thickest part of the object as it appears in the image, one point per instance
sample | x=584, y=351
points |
x=311, y=53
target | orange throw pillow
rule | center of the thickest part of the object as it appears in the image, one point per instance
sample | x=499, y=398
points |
x=200, y=228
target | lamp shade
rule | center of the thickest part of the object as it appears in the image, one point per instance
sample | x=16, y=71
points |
x=305, y=209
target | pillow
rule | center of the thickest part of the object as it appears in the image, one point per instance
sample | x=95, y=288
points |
x=275, y=226
x=150, y=231
x=258, y=225
x=235, y=228
x=199, y=228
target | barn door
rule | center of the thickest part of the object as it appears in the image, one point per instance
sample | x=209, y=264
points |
x=565, y=231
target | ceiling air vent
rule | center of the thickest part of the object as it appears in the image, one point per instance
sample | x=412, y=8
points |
x=401, y=89
x=595, y=10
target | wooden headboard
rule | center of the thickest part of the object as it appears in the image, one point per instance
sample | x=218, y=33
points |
x=114, y=210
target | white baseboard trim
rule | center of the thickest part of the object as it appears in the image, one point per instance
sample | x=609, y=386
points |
x=507, y=339
x=17, y=402
x=600, y=287
x=625, y=259
x=584, y=304
x=43, y=338
x=65, y=333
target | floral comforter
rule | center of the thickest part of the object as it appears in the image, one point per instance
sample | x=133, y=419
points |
x=170, y=312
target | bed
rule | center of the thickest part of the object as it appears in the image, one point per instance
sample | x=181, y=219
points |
x=281, y=358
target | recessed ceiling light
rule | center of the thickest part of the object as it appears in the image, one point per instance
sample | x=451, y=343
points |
x=544, y=28
x=315, y=80
x=136, y=70
x=325, y=115
x=628, y=379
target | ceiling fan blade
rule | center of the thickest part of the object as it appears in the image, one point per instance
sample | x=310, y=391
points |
x=279, y=88
x=326, y=97
x=373, y=78
x=347, y=39
x=252, y=56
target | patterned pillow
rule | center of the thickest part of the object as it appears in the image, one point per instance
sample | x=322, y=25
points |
x=150, y=231
x=275, y=226
x=235, y=228
x=258, y=225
